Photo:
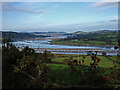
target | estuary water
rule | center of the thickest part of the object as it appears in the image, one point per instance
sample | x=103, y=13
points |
x=45, y=44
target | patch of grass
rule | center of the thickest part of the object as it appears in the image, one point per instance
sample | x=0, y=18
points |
x=104, y=62
x=59, y=59
x=81, y=42
x=64, y=76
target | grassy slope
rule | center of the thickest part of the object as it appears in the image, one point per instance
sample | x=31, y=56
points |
x=98, y=40
x=81, y=42
x=103, y=63
x=64, y=72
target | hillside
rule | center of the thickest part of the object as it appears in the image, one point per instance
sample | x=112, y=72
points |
x=19, y=36
x=99, y=38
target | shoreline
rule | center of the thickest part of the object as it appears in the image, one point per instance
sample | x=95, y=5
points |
x=110, y=46
x=82, y=50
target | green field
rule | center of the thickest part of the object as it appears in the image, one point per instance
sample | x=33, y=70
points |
x=81, y=42
x=63, y=70
x=103, y=63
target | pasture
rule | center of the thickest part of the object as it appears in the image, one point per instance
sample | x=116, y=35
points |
x=105, y=63
x=63, y=75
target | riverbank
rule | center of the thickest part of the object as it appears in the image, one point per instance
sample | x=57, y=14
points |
x=82, y=51
x=82, y=43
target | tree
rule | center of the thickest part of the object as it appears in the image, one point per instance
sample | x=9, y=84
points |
x=3, y=42
x=28, y=51
x=47, y=56
x=104, y=53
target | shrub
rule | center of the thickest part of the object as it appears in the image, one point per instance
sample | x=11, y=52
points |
x=104, y=53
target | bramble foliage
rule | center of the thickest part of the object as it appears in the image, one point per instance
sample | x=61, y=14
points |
x=34, y=67
x=26, y=60
x=11, y=54
x=47, y=56
x=95, y=75
x=104, y=53
x=28, y=51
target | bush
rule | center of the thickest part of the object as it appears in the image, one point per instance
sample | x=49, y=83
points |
x=47, y=56
x=28, y=51
x=11, y=54
x=104, y=53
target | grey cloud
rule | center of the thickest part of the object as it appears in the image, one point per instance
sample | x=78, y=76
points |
x=106, y=3
x=10, y=7
x=111, y=4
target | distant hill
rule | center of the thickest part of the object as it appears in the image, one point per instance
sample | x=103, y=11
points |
x=19, y=36
x=29, y=35
x=79, y=32
x=100, y=38
x=105, y=31
x=99, y=31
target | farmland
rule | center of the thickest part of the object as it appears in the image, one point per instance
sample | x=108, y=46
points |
x=64, y=75
x=98, y=38
x=105, y=63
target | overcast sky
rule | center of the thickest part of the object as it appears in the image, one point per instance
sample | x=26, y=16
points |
x=59, y=16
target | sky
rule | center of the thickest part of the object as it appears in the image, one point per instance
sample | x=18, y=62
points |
x=59, y=16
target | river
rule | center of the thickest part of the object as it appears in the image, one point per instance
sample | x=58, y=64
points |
x=61, y=49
